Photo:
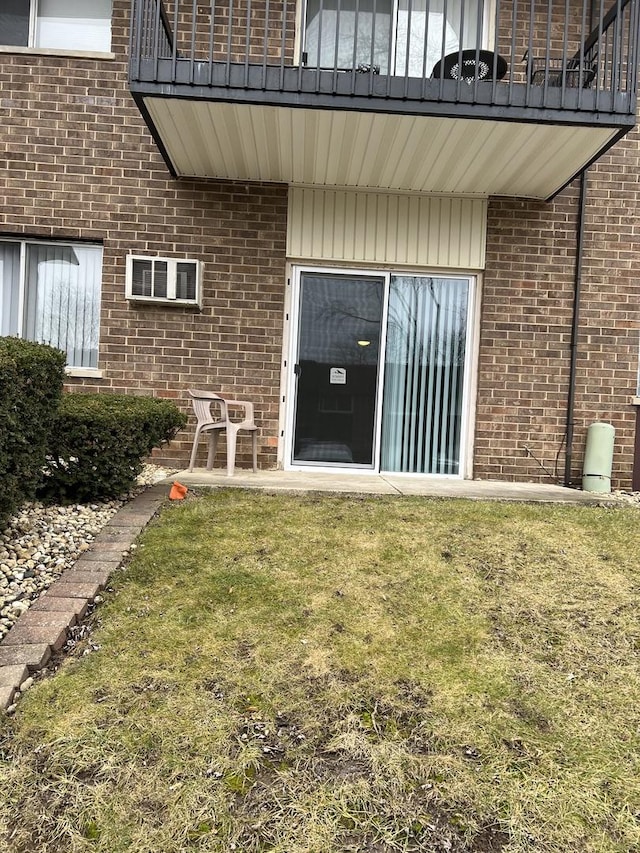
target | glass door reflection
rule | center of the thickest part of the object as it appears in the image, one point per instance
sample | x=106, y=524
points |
x=337, y=364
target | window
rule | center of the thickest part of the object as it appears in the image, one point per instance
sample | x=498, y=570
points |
x=83, y=25
x=50, y=293
x=163, y=280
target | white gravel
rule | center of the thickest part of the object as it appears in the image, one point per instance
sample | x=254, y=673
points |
x=627, y=497
x=40, y=542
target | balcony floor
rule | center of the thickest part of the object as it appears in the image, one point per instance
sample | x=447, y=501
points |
x=238, y=140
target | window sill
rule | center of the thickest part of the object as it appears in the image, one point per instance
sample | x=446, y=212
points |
x=57, y=51
x=84, y=372
x=635, y=401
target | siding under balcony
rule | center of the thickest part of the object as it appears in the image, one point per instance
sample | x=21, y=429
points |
x=221, y=91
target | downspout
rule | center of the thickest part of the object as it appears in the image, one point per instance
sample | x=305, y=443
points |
x=575, y=323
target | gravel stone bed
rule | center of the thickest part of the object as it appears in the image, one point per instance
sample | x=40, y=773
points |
x=40, y=542
x=628, y=497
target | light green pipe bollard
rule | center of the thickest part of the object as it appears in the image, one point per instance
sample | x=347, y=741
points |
x=598, y=458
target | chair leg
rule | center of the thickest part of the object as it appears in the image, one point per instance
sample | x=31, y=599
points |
x=194, y=450
x=231, y=451
x=254, y=443
x=213, y=446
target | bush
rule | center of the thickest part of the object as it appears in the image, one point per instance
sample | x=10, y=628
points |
x=31, y=378
x=100, y=441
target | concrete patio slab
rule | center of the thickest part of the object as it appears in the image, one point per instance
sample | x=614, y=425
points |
x=386, y=484
x=288, y=481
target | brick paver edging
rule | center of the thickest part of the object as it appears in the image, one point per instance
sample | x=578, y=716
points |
x=42, y=629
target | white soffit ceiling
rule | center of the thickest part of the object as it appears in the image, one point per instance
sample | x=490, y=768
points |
x=347, y=148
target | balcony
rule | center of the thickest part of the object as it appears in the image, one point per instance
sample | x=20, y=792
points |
x=440, y=96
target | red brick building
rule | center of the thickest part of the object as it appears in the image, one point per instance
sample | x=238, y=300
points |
x=313, y=208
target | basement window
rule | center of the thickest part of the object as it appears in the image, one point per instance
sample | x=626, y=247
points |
x=80, y=25
x=167, y=280
x=50, y=293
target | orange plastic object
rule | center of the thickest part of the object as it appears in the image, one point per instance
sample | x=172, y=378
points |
x=178, y=492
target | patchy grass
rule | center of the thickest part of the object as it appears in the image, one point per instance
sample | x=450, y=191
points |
x=328, y=674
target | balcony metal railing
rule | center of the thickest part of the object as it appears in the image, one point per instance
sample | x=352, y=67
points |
x=571, y=55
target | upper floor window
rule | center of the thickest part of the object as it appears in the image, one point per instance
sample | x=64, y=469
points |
x=50, y=293
x=83, y=25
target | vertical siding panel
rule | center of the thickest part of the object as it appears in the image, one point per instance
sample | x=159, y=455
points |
x=407, y=241
x=418, y=219
x=456, y=225
x=478, y=245
x=351, y=216
x=464, y=236
x=416, y=205
x=445, y=224
x=339, y=225
x=380, y=227
x=403, y=216
x=316, y=238
x=386, y=228
x=369, y=232
x=294, y=214
x=360, y=227
x=482, y=241
x=433, y=239
x=391, y=239
x=328, y=220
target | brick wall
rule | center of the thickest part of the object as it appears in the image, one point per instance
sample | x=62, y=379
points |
x=81, y=164
x=523, y=378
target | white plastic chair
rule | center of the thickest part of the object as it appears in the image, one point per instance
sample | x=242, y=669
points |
x=212, y=412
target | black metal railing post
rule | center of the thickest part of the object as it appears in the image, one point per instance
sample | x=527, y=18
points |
x=135, y=39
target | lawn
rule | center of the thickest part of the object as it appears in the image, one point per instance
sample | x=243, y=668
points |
x=321, y=674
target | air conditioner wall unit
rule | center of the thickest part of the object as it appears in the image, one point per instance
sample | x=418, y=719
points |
x=172, y=281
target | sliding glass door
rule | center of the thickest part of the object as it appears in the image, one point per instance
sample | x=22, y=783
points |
x=424, y=375
x=406, y=36
x=347, y=34
x=381, y=372
x=337, y=369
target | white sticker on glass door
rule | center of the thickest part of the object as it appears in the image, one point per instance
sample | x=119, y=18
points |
x=338, y=376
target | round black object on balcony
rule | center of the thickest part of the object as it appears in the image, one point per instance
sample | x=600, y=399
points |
x=470, y=65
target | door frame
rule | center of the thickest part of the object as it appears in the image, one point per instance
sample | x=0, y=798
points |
x=290, y=351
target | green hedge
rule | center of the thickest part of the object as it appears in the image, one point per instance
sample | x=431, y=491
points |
x=31, y=378
x=100, y=441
